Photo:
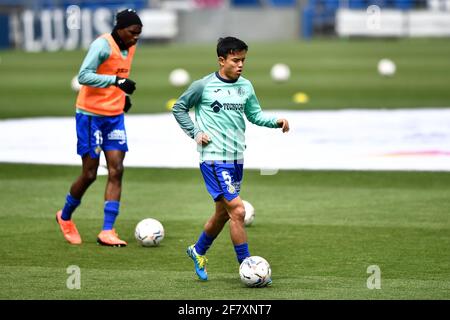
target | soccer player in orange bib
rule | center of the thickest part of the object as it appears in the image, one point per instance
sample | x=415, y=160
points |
x=100, y=106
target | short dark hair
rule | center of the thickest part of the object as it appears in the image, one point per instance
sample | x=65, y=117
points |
x=228, y=45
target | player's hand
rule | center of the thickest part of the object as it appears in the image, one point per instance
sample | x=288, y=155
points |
x=128, y=103
x=126, y=85
x=202, y=139
x=283, y=124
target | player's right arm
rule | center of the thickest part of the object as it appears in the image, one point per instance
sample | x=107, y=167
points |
x=98, y=52
x=190, y=98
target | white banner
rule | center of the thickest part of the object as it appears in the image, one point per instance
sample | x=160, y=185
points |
x=342, y=140
x=58, y=29
x=380, y=22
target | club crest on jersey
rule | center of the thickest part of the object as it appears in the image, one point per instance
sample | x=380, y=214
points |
x=231, y=189
x=240, y=91
x=216, y=106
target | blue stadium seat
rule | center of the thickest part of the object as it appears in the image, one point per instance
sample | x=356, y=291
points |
x=135, y=4
x=380, y=3
x=331, y=4
x=403, y=4
x=308, y=21
x=282, y=3
x=357, y=4
x=246, y=3
x=13, y=2
x=4, y=36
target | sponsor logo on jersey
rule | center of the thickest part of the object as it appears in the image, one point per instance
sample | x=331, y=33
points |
x=122, y=70
x=216, y=106
x=234, y=106
x=117, y=135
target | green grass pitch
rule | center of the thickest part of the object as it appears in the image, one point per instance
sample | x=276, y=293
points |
x=320, y=230
x=335, y=74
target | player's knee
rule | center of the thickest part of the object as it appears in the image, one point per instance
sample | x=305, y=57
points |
x=238, y=213
x=90, y=175
x=115, y=172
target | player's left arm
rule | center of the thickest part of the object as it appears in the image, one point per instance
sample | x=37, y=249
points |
x=255, y=115
x=283, y=124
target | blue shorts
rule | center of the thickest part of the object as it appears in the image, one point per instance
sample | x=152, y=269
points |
x=222, y=178
x=100, y=133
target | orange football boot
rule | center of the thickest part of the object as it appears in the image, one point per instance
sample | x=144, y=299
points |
x=110, y=238
x=68, y=229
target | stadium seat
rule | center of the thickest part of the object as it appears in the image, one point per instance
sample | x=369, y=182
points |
x=357, y=4
x=380, y=3
x=135, y=4
x=245, y=3
x=4, y=36
x=331, y=4
x=403, y=4
x=282, y=3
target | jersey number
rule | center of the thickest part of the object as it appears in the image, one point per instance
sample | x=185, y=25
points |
x=226, y=177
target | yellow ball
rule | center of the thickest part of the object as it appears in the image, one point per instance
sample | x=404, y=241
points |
x=300, y=97
x=170, y=103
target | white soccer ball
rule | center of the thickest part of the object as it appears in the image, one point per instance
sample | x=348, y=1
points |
x=179, y=77
x=255, y=272
x=249, y=213
x=280, y=72
x=386, y=67
x=149, y=232
x=74, y=84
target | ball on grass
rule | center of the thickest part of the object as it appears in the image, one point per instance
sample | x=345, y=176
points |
x=280, y=72
x=386, y=67
x=179, y=77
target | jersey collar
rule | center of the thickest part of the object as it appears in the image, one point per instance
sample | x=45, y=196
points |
x=225, y=80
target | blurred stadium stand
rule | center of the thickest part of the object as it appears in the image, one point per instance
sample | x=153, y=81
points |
x=319, y=16
x=254, y=20
x=261, y=3
x=45, y=4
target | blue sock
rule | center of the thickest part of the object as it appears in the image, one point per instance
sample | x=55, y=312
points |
x=242, y=251
x=111, y=213
x=69, y=207
x=203, y=243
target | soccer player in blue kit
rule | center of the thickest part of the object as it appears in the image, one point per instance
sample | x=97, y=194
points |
x=220, y=100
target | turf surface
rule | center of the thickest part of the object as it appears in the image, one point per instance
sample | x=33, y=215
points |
x=319, y=230
x=333, y=73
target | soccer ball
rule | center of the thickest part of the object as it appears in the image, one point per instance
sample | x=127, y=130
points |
x=74, y=84
x=249, y=213
x=280, y=72
x=149, y=232
x=179, y=77
x=255, y=272
x=386, y=67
